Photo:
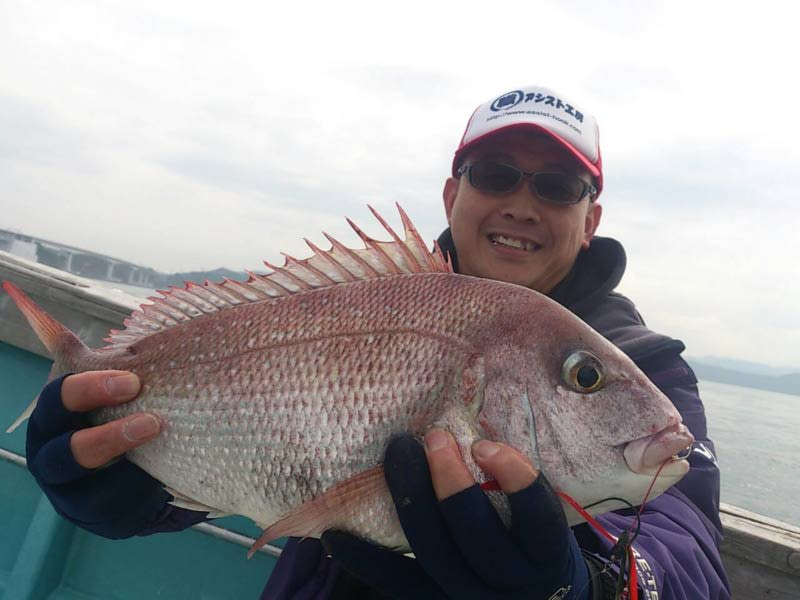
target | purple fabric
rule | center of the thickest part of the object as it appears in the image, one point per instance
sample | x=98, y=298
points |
x=677, y=556
x=303, y=572
x=171, y=518
x=701, y=483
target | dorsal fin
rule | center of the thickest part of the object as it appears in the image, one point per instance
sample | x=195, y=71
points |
x=323, y=268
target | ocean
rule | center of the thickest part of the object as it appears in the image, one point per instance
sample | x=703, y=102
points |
x=757, y=437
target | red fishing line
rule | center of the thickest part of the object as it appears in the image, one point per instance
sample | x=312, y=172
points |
x=632, y=585
x=633, y=588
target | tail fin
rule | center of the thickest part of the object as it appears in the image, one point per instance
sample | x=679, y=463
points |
x=64, y=346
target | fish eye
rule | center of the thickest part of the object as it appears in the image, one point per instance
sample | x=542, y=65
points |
x=583, y=372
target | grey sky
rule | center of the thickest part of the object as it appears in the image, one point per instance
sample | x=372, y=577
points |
x=190, y=135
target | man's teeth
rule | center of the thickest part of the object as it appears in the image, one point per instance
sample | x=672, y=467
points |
x=513, y=243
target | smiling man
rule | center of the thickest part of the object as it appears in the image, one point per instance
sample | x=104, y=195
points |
x=522, y=207
x=524, y=234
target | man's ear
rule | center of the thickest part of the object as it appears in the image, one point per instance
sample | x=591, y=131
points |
x=593, y=214
x=449, y=194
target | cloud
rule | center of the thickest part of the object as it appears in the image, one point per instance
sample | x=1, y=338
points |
x=30, y=133
x=193, y=135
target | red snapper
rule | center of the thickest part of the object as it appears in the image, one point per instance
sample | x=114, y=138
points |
x=278, y=395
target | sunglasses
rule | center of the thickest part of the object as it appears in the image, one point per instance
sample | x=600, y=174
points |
x=497, y=178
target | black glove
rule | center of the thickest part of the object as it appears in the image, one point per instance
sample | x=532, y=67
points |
x=462, y=548
x=116, y=501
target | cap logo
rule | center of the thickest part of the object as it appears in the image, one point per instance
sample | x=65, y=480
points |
x=511, y=99
x=506, y=101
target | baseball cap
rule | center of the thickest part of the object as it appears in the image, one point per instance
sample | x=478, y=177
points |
x=541, y=109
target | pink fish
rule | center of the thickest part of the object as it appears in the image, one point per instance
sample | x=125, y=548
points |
x=278, y=395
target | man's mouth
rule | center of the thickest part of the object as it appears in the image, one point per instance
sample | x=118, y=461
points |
x=513, y=242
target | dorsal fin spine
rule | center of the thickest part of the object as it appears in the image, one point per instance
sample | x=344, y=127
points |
x=413, y=263
x=212, y=295
x=337, y=245
x=236, y=289
x=180, y=304
x=441, y=257
x=433, y=259
x=321, y=277
x=225, y=294
x=156, y=309
x=273, y=281
x=322, y=269
x=208, y=295
x=178, y=315
x=298, y=281
x=256, y=278
x=369, y=242
x=273, y=286
x=142, y=318
x=346, y=275
x=195, y=301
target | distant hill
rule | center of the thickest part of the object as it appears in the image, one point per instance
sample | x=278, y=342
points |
x=744, y=366
x=785, y=384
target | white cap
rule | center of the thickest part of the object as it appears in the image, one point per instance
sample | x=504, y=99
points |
x=542, y=109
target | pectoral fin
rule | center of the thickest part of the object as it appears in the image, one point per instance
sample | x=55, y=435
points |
x=312, y=518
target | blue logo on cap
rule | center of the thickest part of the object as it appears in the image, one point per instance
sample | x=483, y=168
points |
x=509, y=100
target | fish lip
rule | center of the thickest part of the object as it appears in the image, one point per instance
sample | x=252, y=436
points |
x=648, y=454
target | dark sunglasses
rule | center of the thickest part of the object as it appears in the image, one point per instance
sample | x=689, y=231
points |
x=497, y=178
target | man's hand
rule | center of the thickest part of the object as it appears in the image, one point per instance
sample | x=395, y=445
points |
x=462, y=548
x=96, y=446
x=65, y=454
x=450, y=475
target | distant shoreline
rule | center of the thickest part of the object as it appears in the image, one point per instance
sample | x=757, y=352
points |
x=784, y=384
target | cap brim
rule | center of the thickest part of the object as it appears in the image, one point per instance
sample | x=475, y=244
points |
x=593, y=169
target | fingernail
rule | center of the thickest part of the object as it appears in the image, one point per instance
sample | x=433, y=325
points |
x=140, y=428
x=485, y=449
x=123, y=386
x=436, y=440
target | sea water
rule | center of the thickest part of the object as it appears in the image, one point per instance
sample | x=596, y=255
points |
x=757, y=436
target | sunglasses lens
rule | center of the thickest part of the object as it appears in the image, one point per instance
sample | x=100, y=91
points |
x=560, y=188
x=493, y=177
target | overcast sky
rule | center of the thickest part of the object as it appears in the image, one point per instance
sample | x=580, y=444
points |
x=190, y=135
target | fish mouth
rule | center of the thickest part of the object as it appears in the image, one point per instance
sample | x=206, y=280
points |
x=669, y=447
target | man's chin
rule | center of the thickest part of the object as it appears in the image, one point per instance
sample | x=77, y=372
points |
x=517, y=276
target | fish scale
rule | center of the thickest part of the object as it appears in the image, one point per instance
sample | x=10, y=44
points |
x=328, y=427
x=278, y=395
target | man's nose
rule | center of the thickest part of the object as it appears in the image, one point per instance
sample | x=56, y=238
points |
x=522, y=205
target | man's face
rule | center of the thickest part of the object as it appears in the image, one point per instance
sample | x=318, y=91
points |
x=488, y=229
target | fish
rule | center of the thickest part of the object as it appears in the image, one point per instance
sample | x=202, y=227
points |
x=278, y=395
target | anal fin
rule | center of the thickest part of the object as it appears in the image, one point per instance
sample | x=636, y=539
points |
x=183, y=501
x=26, y=414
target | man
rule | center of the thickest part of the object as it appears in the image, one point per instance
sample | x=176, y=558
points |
x=522, y=208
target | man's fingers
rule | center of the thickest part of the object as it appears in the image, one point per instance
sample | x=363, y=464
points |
x=507, y=466
x=96, y=446
x=449, y=473
x=94, y=389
